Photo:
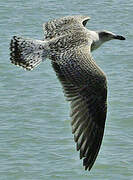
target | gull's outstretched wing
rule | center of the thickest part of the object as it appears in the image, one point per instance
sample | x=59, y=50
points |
x=64, y=25
x=85, y=87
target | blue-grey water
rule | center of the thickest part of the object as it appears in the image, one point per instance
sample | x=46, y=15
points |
x=35, y=133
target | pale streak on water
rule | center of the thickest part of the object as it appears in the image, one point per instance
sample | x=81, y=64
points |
x=35, y=134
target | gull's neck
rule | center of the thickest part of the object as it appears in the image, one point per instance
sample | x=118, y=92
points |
x=96, y=41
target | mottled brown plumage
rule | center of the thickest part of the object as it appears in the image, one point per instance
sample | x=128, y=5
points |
x=68, y=44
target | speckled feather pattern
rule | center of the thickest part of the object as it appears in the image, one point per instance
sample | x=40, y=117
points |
x=68, y=45
x=27, y=53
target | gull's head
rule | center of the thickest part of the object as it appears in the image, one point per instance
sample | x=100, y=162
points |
x=102, y=37
x=107, y=36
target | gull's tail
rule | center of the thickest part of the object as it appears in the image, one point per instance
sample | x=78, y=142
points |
x=28, y=53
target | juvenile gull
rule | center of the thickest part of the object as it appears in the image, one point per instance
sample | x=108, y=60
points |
x=68, y=44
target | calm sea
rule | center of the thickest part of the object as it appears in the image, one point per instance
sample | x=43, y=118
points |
x=35, y=133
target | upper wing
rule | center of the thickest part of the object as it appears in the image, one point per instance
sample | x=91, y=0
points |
x=64, y=25
x=85, y=87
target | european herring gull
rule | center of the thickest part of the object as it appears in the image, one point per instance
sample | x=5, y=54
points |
x=68, y=44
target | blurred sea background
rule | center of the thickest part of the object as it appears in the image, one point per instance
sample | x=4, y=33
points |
x=36, y=142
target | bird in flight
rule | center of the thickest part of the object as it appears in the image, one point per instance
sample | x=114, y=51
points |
x=68, y=44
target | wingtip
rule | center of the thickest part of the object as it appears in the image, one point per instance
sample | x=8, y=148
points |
x=88, y=168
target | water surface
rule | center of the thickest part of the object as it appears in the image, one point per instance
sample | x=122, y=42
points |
x=35, y=133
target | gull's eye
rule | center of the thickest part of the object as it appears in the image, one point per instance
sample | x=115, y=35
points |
x=103, y=34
